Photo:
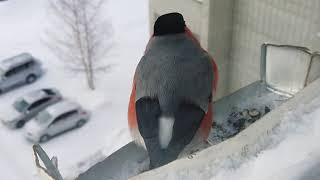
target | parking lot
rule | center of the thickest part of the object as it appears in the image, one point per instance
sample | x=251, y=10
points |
x=23, y=24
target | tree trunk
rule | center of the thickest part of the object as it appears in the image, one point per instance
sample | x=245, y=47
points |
x=90, y=77
x=91, y=80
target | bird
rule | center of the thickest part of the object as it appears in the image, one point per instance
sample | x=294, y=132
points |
x=170, y=105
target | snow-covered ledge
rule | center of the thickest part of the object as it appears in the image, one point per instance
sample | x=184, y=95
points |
x=247, y=143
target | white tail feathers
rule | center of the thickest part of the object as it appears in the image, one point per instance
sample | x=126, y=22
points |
x=165, y=131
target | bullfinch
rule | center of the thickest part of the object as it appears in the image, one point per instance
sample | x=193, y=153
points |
x=171, y=100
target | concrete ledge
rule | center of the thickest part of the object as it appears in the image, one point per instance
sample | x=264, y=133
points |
x=241, y=145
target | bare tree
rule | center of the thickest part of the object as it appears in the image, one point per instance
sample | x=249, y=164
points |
x=80, y=36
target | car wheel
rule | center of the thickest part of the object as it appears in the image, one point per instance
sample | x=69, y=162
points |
x=80, y=123
x=31, y=79
x=20, y=124
x=45, y=138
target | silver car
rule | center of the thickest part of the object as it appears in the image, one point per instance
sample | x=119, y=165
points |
x=55, y=120
x=26, y=107
x=19, y=70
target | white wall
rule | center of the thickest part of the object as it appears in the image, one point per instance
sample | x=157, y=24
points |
x=292, y=22
x=220, y=41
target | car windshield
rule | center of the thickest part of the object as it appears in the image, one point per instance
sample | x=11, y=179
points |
x=43, y=117
x=21, y=105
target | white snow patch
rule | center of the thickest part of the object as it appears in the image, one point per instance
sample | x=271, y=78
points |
x=23, y=26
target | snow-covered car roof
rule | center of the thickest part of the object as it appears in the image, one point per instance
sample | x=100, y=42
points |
x=36, y=95
x=62, y=107
x=16, y=60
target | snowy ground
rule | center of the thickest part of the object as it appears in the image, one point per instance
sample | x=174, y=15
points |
x=294, y=153
x=22, y=30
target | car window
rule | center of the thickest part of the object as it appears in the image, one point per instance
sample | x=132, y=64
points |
x=49, y=91
x=21, y=105
x=19, y=68
x=29, y=64
x=43, y=117
x=10, y=72
x=64, y=116
x=38, y=103
x=22, y=67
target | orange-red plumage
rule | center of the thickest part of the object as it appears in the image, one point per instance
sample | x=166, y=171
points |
x=132, y=117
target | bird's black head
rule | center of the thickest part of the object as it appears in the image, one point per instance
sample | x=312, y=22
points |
x=172, y=23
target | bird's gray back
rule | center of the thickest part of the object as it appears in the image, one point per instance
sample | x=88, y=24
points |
x=175, y=69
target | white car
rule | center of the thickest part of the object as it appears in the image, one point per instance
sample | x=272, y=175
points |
x=19, y=70
x=55, y=120
x=28, y=106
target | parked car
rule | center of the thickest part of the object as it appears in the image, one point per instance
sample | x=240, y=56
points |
x=26, y=107
x=55, y=120
x=19, y=70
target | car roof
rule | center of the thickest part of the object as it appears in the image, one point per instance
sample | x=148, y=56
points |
x=62, y=107
x=35, y=96
x=16, y=60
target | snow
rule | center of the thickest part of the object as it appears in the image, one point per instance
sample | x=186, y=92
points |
x=290, y=152
x=23, y=25
x=295, y=149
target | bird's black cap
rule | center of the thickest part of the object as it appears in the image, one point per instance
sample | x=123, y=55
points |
x=172, y=23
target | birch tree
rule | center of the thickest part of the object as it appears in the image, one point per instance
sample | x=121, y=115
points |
x=80, y=36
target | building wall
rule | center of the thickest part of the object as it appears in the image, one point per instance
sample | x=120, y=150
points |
x=292, y=22
x=220, y=41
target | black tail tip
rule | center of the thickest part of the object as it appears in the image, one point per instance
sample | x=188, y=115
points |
x=172, y=23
